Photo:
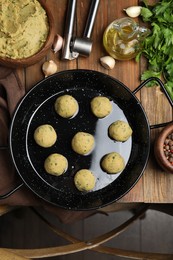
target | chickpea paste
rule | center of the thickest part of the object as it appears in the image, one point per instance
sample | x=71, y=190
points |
x=24, y=28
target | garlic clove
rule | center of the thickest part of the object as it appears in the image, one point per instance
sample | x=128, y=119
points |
x=49, y=68
x=57, y=44
x=107, y=62
x=133, y=11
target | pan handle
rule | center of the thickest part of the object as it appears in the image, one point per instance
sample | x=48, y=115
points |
x=9, y=193
x=164, y=91
x=3, y=147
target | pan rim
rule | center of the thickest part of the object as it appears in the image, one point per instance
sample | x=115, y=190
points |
x=73, y=72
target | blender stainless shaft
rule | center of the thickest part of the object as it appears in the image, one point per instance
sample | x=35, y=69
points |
x=66, y=50
x=91, y=18
x=73, y=46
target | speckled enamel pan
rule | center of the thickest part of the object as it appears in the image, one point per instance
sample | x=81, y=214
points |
x=37, y=108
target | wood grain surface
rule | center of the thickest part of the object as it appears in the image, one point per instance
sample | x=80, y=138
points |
x=155, y=185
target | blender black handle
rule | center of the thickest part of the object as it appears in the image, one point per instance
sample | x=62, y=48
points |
x=91, y=18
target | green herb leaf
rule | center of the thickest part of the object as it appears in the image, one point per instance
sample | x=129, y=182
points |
x=146, y=14
x=169, y=88
x=158, y=46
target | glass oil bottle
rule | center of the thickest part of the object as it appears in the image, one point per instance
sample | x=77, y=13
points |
x=122, y=38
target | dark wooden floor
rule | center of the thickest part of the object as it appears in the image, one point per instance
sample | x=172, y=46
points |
x=23, y=229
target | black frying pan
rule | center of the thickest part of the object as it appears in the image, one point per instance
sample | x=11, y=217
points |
x=37, y=108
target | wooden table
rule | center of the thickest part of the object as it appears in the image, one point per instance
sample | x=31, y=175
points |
x=155, y=186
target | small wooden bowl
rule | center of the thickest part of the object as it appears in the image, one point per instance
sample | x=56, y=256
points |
x=160, y=156
x=14, y=63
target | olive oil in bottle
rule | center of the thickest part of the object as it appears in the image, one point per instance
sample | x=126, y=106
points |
x=122, y=38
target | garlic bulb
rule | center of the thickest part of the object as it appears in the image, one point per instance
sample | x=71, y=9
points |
x=133, y=11
x=49, y=68
x=107, y=62
x=57, y=44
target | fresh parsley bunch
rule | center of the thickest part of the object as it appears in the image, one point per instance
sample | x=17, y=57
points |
x=158, y=46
